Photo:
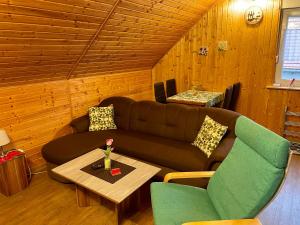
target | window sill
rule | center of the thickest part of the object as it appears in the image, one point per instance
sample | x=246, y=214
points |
x=284, y=88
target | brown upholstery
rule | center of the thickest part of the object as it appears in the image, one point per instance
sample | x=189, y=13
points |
x=170, y=121
x=81, y=124
x=122, y=110
x=160, y=134
x=175, y=121
x=55, y=176
x=159, y=150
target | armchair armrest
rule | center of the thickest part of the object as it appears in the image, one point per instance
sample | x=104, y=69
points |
x=227, y=222
x=182, y=175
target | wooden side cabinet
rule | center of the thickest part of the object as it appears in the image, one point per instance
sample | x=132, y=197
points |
x=13, y=176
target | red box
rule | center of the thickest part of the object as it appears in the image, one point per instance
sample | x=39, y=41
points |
x=115, y=171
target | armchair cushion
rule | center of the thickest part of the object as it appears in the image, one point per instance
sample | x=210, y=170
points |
x=266, y=143
x=251, y=174
x=239, y=190
x=174, y=204
x=241, y=186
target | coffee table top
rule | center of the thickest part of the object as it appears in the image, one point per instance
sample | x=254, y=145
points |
x=116, y=192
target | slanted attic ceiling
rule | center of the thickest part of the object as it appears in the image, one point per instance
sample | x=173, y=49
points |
x=60, y=39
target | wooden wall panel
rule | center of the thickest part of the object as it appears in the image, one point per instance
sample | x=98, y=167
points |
x=34, y=114
x=250, y=60
x=86, y=92
x=47, y=39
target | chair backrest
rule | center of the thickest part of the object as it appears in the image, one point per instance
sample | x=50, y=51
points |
x=235, y=96
x=171, y=87
x=252, y=172
x=159, y=91
x=227, y=98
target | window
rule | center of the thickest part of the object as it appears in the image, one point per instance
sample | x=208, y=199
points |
x=288, y=66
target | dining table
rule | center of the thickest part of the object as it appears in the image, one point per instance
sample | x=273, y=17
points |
x=197, y=97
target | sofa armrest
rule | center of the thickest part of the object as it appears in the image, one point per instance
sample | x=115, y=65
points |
x=81, y=124
x=183, y=175
x=226, y=222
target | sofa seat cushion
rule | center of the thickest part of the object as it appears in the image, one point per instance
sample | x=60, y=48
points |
x=153, y=149
x=175, y=204
x=68, y=147
x=178, y=155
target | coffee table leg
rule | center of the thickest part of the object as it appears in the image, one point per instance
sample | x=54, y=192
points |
x=138, y=200
x=82, y=196
x=117, y=214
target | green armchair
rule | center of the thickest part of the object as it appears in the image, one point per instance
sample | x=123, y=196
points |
x=241, y=187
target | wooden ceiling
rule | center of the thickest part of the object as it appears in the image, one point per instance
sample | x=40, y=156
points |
x=60, y=39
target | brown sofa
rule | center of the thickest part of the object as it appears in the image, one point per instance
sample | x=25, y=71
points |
x=160, y=134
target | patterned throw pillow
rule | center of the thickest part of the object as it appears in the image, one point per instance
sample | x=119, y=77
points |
x=102, y=118
x=209, y=136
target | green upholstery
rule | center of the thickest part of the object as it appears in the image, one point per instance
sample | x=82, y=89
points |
x=176, y=204
x=261, y=157
x=252, y=172
x=240, y=191
x=266, y=143
x=243, y=184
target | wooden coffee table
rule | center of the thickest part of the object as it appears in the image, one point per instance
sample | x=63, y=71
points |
x=117, y=192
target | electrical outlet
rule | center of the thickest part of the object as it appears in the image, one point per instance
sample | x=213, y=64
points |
x=203, y=51
x=222, y=45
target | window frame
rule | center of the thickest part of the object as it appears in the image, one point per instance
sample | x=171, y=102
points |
x=286, y=13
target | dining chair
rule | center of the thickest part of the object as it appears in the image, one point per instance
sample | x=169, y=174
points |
x=159, y=91
x=227, y=97
x=171, y=87
x=245, y=182
x=235, y=96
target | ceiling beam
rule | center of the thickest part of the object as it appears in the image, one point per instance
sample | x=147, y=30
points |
x=93, y=39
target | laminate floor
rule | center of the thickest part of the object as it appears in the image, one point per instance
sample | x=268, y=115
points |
x=285, y=209
x=47, y=202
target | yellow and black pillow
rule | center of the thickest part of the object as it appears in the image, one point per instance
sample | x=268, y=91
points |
x=102, y=118
x=209, y=136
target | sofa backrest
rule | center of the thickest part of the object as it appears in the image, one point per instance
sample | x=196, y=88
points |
x=178, y=122
x=122, y=110
x=165, y=120
x=174, y=121
x=251, y=173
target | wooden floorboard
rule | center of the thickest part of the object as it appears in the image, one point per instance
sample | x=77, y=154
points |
x=285, y=209
x=47, y=202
